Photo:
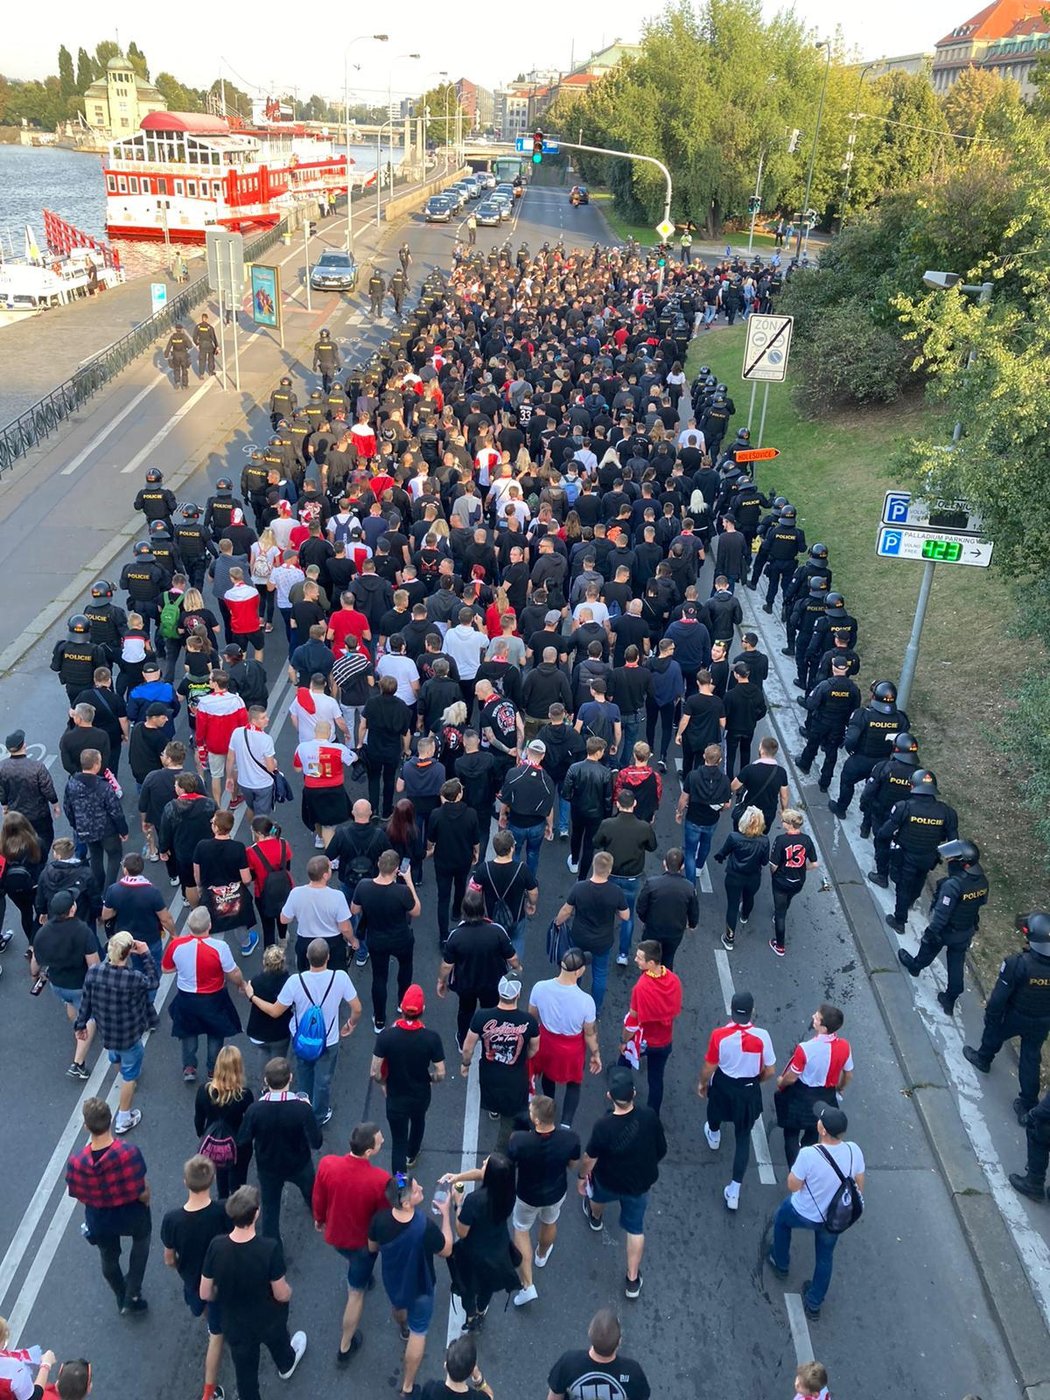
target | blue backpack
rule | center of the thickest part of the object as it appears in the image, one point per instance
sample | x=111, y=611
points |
x=311, y=1033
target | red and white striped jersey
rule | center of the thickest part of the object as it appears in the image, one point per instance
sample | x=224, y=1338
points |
x=740, y=1051
x=200, y=964
x=820, y=1062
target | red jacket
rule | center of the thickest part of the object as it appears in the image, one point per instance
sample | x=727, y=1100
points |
x=218, y=715
x=656, y=1001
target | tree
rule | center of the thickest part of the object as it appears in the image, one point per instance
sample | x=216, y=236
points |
x=104, y=51
x=137, y=59
x=66, y=76
x=441, y=103
x=979, y=102
x=85, y=71
x=178, y=98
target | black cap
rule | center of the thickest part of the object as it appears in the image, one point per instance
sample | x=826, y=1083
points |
x=620, y=1084
x=743, y=1004
x=152, y=711
x=15, y=739
x=834, y=1120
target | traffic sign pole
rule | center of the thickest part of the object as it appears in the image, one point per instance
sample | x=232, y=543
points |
x=751, y=406
x=911, y=654
x=765, y=405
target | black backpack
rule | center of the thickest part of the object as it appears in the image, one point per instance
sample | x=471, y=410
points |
x=530, y=795
x=501, y=912
x=277, y=883
x=361, y=865
x=847, y=1204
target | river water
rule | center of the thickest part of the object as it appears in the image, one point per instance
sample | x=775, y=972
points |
x=70, y=184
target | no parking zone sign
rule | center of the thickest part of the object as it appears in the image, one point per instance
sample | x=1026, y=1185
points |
x=767, y=347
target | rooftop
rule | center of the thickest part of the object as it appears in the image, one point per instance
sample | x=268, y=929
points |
x=995, y=21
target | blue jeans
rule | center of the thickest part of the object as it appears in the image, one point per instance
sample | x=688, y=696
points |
x=632, y=729
x=599, y=978
x=787, y=1219
x=528, y=840
x=563, y=813
x=696, y=846
x=189, y=1050
x=517, y=936
x=315, y=1079
x=629, y=884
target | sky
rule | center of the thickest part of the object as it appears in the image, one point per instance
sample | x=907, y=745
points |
x=262, y=51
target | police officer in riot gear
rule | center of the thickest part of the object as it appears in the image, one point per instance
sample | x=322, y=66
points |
x=954, y=918
x=798, y=586
x=830, y=705
x=75, y=658
x=398, y=288
x=207, y=343
x=778, y=554
x=177, y=354
x=218, y=512
x=194, y=543
x=823, y=669
x=314, y=410
x=326, y=359
x=163, y=550
x=108, y=622
x=155, y=500
x=282, y=402
x=836, y=620
x=254, y=481
x=912, y=832
x=404, y=254
x=376, y=291
x=1020, y=1006
x=804, y=617
x=144, y=581
x=746, y=509
x=869, y=738
x=889, y=782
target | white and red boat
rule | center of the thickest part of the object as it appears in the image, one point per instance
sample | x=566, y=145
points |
x=185, y=172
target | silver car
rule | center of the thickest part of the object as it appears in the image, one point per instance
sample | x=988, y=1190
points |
x=334, y=271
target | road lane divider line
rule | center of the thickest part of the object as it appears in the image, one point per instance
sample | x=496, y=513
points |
x=161, y=433
x=115, y=422
x=799, y=1328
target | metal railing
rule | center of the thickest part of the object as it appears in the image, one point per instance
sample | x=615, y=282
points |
x=44, y=417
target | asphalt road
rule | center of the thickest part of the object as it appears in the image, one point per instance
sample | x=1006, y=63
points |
x=907, y=1312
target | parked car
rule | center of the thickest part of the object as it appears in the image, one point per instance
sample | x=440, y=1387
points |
x=578, y=195
x=489, y=213
x=334, y=271
x=437, y=210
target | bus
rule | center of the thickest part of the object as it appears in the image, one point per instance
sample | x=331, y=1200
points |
x=507, y=169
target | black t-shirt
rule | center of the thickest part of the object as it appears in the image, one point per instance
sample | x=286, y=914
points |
x=508, y=881
x=408, y=1056
x=145, y=748
x=576, y=1376
x=500, y=717
x=221, y=862
x=243, y=1274
x=761, y=787
x=385, y=914
x=542, y=1160
x=504, y=1073
x=454, y=831
x=594, y=923
x=438, y=1390
x=61, y=946
x=478, y=951
x=704, y=713
x=627, y=1147
x=708, y=791
x=189, y=1233
x=790, y=854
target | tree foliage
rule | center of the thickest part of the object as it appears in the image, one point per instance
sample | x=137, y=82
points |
x=67, y=81
x=137, y=59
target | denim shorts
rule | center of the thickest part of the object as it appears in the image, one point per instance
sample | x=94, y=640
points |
x=129, y=1060
x=260, y=800
x=69, y=995
x=632, y=1209
x=359, y=1266
x=198, y=1307
x=420, y=1311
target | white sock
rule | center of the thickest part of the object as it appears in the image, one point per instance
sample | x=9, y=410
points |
x=123, y=1116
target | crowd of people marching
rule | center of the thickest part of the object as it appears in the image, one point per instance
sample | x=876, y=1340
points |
x=499, y=570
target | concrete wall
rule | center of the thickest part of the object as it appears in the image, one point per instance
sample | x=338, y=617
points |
x=418, y=195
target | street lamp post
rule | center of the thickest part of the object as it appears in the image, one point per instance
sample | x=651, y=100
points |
x=939, y=281
x=822, y=44
x=380, y=39
x=388, y=123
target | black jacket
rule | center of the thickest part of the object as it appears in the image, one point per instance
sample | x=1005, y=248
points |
x=744, y=856
x=588, y=789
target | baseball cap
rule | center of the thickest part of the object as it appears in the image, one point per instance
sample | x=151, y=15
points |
x=15, y=739
x=834, y=1120
x=537, y=746
x=413, y=1002
x=233, y=650
x=553, y=615
x=150, y=666
x=743, y=1004
x=154, y=710
x=60, y=904
x=840, y=663
x=620, y=1084
x=509, y=988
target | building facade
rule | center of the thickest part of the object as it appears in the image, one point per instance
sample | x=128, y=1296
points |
x=969, y=44
x=115, y=105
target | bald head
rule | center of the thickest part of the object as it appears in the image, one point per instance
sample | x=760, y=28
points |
x=362, y=810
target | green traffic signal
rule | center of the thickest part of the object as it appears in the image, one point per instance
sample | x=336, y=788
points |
x=537, y=158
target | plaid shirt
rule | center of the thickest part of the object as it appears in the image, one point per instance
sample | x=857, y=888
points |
x=116, y=1178
x=119, y=1001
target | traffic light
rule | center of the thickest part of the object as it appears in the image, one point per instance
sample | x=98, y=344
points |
x=662, y=250
x=537, y=147
x=754, y=204
x=793, y=139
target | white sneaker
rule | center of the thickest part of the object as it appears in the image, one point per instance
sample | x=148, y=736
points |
x=318, y=844
x=732, y=1196
x=133, y=1119
x=621, y=959
x=714, y=1140
x=525, y=1295
x=574, y=865
x=298, y=1346
x=540, y=1260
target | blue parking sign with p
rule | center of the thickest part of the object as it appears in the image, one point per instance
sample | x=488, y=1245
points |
x=890, y=542
x=895, y=511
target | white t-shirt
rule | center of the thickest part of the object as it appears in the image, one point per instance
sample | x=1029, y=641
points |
x=465, y=645
x=599, y=612
x=300, y=988
x=251, y=774
x=563, y=1009
x=821, y=1183
x=404, y=670
x=318, y=912
x=325, y=707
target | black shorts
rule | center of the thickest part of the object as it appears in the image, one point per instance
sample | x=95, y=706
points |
x=254, y=639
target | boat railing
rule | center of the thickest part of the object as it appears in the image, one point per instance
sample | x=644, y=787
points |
x=32, y=427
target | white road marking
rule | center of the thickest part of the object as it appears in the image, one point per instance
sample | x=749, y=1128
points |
x=759, y=1140
x=159, y=436
x=799, y=1328
x=706, y=886
x=467, y=1161
x=99, y=438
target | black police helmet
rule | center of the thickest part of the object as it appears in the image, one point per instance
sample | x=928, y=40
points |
x=818, y=551
x=788, y=512
x=190, y=511
x=154, y=477
x=885, y=692
x=141, y=548
x=102, y=589
x=966, y=852
x=316, y=396
x=924, y=783
x=904, y=743
x=285, y=381
x=779, y=502
x=836, y=600
x=702, y=372
x=743, y=434
x=818, y=585
x=325, y=333
x=79, y=624
x=224, y=486
x=158, y=530
x=722, y=389
x=1036, y=928
x=710, y=382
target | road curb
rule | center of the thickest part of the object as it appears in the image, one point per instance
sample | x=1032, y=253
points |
x=1000, y=1267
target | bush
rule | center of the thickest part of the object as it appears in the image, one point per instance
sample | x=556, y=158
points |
x=846, y=359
